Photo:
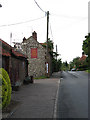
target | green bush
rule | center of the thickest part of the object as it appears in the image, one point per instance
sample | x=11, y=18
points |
x=0, y=97
x=6, y=88
x=4, y=93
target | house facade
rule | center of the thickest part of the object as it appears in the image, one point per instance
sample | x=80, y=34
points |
x=15, y=63
x=36, y=57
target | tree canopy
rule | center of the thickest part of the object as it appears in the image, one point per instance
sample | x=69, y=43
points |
x=86, y=43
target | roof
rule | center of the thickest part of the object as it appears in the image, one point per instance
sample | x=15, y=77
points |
x=4, y=52
x=3, y=42
x=8, y=53
x=18, y=54
x=43, y=44
x=83, y=58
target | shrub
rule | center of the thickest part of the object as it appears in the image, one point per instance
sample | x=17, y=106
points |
x=4, y=93
x=0, y=97
x=6, y=88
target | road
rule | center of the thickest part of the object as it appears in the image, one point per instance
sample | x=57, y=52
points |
x=73, y=95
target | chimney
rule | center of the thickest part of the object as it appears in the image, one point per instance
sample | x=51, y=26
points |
x=24, y=39
x=83, y=54
x=34, y=35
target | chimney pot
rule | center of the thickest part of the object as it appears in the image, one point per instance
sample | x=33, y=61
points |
x=34, y=35
x=24, y=39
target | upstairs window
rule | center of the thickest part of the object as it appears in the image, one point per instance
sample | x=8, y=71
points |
x=33, y=52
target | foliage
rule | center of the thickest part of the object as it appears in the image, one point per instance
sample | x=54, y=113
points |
x=65, y=66
x=83, y=65
x=50, y=45
x=59, y=64
x=86, y=44
x=75, y=63
x=55, y=54
x=41, y=77
x=86, y=49
x=6, y=87
x=88, y=71
x=4, y=91
x=79, y=64
x=56, y=64
x=0, y=96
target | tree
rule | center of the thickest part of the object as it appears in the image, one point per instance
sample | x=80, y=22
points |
x=86, y=49
x=65, y=66
x=86, y=43
x=56, y=64
x=75, y=63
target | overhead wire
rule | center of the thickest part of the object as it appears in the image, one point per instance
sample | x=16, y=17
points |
x=69, y=17
x=51, y=31
x=40, y=7
x=21, y=22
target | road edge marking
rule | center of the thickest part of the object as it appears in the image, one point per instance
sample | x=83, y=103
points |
x=56, y=100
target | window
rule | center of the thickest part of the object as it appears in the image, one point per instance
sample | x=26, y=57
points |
x=33, y=52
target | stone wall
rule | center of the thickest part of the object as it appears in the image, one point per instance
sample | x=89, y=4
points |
x=36, y=66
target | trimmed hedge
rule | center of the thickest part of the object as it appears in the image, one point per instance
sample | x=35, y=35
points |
x=6, y=88
x=0, y=96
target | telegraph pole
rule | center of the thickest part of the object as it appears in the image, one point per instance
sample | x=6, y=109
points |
x=47, y=28
x=47, y=64
x=11, y=38
x=0, y=5
x=56, y=57
x=56, y=52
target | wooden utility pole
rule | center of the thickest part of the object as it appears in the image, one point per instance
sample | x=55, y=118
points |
x=47, y=28
x=47, y=64
x=11, y=38
x=56, y=52
x=56, y=57
x=0, y=5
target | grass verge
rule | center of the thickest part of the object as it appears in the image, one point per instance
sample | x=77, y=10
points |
x=41, y=77
x=88, y=71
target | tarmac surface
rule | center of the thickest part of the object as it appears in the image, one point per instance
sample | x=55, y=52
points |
x=73, y=95
x=37, y=100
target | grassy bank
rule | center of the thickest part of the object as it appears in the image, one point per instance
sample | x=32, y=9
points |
x=88, y=71
x=41, y=77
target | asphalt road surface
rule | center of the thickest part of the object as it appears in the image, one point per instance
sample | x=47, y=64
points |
x=73, y=95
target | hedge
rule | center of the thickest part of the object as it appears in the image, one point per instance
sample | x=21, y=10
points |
x=6, y=88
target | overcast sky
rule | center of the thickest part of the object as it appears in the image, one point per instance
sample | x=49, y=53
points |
x=68, y=23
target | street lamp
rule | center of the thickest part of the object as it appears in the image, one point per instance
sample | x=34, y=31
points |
x=0, y=5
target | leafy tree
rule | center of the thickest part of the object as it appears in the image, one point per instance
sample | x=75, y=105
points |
x=76, y=62
x=56, y=64
x=86, y=49
x=50, y=45
x=59, y=65
x=65, y=66
x=86, y=44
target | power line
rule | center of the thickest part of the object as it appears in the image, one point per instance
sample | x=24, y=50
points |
x=51, y=31
x=40, y=7
x=21, y=22
x=69, y=17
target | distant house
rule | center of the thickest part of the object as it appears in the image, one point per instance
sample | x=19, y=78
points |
x=15, y=63
x=36, y=53
x=83, y=63
x=83, y=58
